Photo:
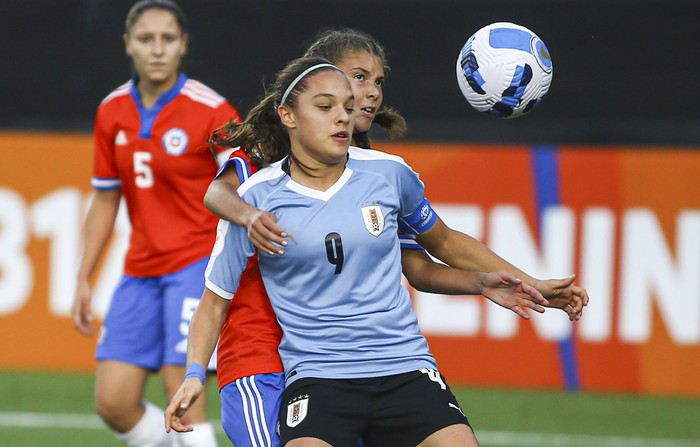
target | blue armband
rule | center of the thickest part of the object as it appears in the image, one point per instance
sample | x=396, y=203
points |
x=195, y=370
x=420, y=220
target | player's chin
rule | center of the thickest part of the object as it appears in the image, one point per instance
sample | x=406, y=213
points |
x=362, y=124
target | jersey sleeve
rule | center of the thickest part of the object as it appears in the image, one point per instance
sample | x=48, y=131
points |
x=228, y=259
x=239, y=161
x=105, y=175
x=408, y=242
x=416, y=216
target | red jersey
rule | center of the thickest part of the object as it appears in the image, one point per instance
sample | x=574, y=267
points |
x=161, y=161
x=250, y=335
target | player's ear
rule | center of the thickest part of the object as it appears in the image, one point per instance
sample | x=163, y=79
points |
x=286, y=115
x=185, y=44
x=127, y=48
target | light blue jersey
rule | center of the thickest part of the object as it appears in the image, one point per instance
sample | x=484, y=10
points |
x=337, y=289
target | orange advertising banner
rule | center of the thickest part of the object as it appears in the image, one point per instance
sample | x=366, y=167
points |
x=625, y=220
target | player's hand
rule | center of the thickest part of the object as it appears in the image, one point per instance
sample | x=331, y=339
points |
x=185, y=397
x=565, y=295
x=265, y=234
x=507, y=290
x=82, y=313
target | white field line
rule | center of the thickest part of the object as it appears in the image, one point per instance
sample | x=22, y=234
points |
x=486, y=437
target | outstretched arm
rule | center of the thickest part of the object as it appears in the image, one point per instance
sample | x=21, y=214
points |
x=464, y=252
x=223, y=200
x=503, y=288
x=203, y=334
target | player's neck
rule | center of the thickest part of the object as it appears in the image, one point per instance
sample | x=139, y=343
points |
x=314, y=174
x=150, y=91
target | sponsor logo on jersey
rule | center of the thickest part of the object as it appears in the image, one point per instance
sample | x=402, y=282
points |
x=120, y=139
x=374, y=219
x=175, y=141
x=297, y=410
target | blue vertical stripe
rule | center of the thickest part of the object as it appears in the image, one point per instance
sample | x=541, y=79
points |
x=547, y=189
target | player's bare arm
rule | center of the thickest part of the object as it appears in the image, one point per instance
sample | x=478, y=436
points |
x=503, y=288
x=203, y=334
x=463, y=251
x=223, y=200
x=98, y=228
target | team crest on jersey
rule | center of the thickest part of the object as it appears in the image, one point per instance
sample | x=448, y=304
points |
x=374, y=219
x=297, y=410
x=175, y=141
x=120, y=139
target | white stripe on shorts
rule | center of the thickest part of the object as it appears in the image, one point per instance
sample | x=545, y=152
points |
x=253, y=411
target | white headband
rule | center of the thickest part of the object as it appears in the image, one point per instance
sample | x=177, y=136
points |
x=299, y=78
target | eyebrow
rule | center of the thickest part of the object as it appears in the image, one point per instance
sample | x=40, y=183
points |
x=364, y=70
x=330, y=95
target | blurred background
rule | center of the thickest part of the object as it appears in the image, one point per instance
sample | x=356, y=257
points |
x=601, y=180
x=624, y=69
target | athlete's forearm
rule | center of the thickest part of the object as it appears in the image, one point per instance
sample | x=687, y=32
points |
x=462, y=251
x=205, y=327
x=426, y=275
x=223, y=200
x=98, y=227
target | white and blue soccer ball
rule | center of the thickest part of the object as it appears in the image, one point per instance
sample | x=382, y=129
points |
x=504, y=70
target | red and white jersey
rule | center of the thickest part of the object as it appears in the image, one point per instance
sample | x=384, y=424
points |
x=160, y=159
x=250, y=335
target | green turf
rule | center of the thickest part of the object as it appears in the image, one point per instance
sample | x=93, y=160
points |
x=581, y=413
x=70, y=393
x=490, y=411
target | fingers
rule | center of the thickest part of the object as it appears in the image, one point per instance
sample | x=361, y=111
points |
x=531, y=305
x=520, y=312
x=566, y=282
x=82, y=318
x=575, y=311
x=581, y=292
x=264, y=245
x=174, y=423
x=269, y=222
x=84, y=326
x=265, y=234
x=535, y=295
x=509, y=277
x=169, y=415
x=168, y=419
x=173, y=416
x=579, y=300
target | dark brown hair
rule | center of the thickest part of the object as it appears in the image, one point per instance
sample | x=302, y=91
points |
x=262, y=134
x=144, y=5
x=334, y=45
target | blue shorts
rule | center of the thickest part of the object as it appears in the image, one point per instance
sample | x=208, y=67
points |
x=148, y=319
x=249, y=410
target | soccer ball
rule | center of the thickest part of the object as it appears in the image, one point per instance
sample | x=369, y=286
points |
x=504, y=70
